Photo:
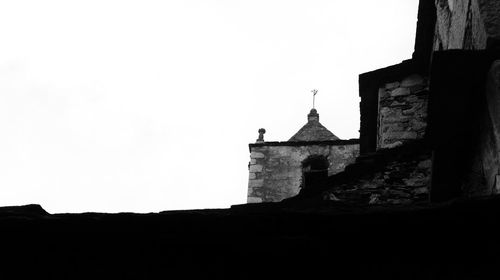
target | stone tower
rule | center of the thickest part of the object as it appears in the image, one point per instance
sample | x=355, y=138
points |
x=277, y=170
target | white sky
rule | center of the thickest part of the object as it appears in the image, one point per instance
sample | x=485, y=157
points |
x=143, y=106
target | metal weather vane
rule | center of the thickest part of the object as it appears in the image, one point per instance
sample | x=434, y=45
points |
x=314, y=91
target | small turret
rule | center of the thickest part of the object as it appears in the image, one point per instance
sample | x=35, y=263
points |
x=313, y=116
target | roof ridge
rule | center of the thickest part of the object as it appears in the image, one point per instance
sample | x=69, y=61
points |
x=313, y=130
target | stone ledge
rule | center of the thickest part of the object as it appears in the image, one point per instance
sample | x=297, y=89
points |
x=307, y=143
x=251, y=199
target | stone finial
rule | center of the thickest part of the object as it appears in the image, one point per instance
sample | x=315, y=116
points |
x=313, y=116
x=261, y=135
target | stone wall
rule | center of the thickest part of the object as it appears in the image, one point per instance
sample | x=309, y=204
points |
x=275, y=168
x=491, y=152
x=459, y=127
x=402, y=181
x=402, y=111
x=465, y=24
x=483, y=176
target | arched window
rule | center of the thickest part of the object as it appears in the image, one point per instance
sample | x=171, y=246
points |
x=314, y=171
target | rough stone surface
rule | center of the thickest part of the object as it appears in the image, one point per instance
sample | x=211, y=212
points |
x=459, y=125
x=278, y=169
x=254, y=199
x=402, y=111
x=402, y=181
x=493, y=98
x=400, y=91
x=255, y=168
x=465, y=24
x=390, y=86
x=256, y=155
x=255, y=183
x=412, y=80
x=313, y=130
x=482, y=178
x=490, y=14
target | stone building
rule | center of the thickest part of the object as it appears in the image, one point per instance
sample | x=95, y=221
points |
x=429, y=126
x=394, y=166
x=279, y=170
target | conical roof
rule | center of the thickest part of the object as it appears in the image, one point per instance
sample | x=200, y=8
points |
x=313, y=130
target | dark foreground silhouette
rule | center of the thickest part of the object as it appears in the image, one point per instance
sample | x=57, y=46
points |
x=310, y=239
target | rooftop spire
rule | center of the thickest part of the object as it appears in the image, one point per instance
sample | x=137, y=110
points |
x=314, y=91
x=313, y=130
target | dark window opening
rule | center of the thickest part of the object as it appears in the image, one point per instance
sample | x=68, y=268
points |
x=314, y=172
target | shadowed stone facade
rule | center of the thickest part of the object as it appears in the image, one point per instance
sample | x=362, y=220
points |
x=277, y=169
x=394, y=166
x=464, y=129
x=398, y=175
x=490, y=132
x=443, y=102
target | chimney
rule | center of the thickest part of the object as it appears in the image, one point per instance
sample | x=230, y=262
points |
x=261, y=136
